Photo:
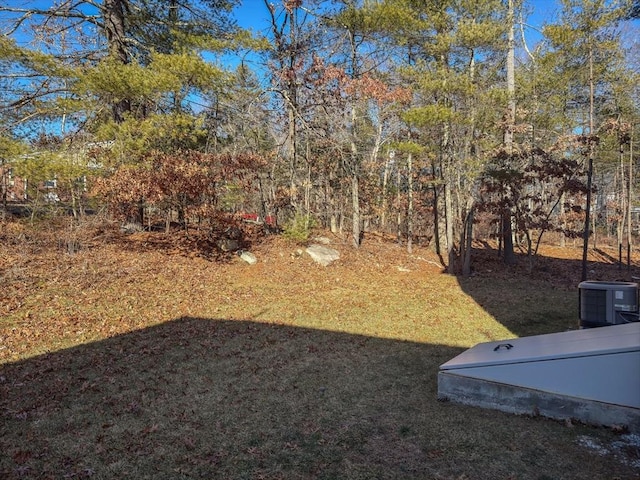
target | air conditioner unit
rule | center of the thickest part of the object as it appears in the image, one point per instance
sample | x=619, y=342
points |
x=607, y=303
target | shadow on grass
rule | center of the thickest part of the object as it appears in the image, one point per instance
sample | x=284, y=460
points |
x=541, y=299
x=203, y=398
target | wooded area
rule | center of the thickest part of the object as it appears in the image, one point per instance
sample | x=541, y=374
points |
x=439, y=122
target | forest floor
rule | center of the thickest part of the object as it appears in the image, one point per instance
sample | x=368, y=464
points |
x=145, y=356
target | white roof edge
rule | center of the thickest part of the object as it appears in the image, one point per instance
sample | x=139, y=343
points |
x=571, y=344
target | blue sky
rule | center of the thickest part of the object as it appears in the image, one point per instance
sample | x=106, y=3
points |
x=253, y=14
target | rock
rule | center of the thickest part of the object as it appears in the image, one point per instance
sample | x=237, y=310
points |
x=322, y=240
x=322, y=255
x=228, y=245
x=249, y=257
x=131, y=227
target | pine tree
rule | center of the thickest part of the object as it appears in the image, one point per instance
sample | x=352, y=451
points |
x=114, y=38
x=584, y=45
x=455, y=47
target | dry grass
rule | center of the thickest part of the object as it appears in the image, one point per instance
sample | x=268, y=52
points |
x=131, y=358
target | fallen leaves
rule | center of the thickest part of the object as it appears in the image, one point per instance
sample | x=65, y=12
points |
x=52, y=300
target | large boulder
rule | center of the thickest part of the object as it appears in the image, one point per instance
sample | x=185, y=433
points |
x=322, y=254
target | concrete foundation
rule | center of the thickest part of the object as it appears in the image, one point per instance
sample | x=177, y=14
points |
x=592, y=376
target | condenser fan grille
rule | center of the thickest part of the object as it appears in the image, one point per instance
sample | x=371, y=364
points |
x=607, y=303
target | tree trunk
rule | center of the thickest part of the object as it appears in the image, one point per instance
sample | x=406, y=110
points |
x=114, y=12
x=448, y=212
x=384, y=202
x=5, y=189
x=292, y=153
x=398, y=209
x=507, y=239
x=563, y=221
x=629, y=223
x=436, y=218
x=468, y=241
x=623, y=198
x=410, y=203
x=331, y=204
x=355, y=204
x=585, y=234
x=507, y=232
x=448, y=200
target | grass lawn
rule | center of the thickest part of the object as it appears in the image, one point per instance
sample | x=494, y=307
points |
x=132, y=359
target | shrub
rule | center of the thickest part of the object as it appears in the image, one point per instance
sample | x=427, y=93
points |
x=299, y=227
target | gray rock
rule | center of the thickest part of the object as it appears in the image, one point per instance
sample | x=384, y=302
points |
x=249, y=257
x=323, y=255
x=131, y=227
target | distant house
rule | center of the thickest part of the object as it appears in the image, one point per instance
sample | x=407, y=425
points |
x=12, y=188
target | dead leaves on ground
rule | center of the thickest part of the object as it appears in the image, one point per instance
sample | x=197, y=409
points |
x=52, y=299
